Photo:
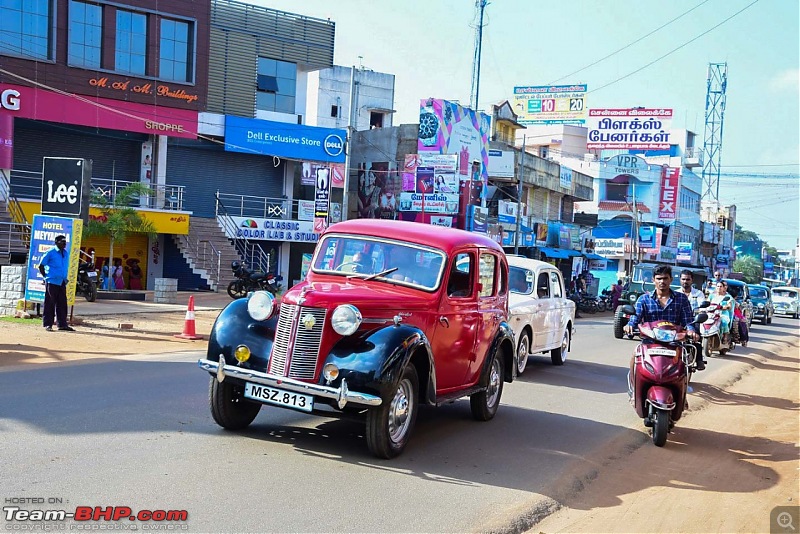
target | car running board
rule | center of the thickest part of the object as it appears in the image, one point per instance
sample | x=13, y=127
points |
x=448, y=398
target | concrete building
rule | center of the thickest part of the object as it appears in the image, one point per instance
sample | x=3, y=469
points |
x=331, y=91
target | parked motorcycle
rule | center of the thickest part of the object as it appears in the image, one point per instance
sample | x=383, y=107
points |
x=710, y=331
x=659, y=375
x=604, y=300
x=87, y=281
x=247, y=281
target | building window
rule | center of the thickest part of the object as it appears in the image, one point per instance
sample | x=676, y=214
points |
x=276, y=85
x=335, y=111
x=174, y=59
x=375, y=119
x=25, y=28
x=131, y=49
x=85, y=34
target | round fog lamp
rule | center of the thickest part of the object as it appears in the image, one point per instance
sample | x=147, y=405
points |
x=242, y=353
x=330, y=372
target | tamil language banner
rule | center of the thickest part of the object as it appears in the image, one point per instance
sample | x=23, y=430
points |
x=623, y=129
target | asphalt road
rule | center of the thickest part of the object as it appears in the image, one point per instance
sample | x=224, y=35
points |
x=136, y=431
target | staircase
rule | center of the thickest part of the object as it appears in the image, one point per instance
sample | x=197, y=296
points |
x=14, y=238
x=208, y=251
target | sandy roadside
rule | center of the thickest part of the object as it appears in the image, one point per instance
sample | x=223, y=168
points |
x=729, y=462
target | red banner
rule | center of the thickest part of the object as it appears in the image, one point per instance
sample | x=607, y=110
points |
x=668, y=203
x=38, y=104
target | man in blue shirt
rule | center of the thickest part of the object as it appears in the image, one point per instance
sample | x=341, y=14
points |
x=55, y=269
x=663, y=304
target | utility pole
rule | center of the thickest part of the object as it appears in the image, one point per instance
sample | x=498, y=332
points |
x=480, y=5
x=519, y=195
x=347, y=156
x=635, y=244
x=715, y=116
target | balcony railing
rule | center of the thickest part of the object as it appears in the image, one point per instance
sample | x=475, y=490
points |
x=693, y=157
x=266, y=207
x=27, y=185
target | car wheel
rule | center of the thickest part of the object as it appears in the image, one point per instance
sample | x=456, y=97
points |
x=559, y=354
x=389, y=425
x=484, y=404
x=523, y=349
x=769, y=321
x=228, y=407
x=764, y=319
x=618, y=326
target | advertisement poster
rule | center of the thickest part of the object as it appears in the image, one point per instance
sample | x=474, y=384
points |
x=501, y=164
x=479, y=219
x=668, y=205
x=448, y=128
x=379, y=189
x=305, y=266
x=307, y=177
x=283, y=139
x=322, y=198
x=624, y=129
x=647, y=237
x=305, y=210
x=425, y=177
x=337, y=175
x=272, y=230
x=566, y=178
x=550, y=104
x=684, y=251
x=429, y=203
x=44, y=230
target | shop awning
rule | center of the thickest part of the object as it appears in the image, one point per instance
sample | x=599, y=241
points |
x=593, y=256
x=554, y=252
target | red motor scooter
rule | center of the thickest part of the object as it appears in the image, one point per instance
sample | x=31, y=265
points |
x=659, y=375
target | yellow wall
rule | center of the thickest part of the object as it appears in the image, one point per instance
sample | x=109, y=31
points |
x=166, y=222
x=134, y=248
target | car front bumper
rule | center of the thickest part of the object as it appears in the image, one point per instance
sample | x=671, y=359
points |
x=342, y=395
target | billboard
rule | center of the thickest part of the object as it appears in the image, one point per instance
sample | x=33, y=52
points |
x=624, y=129
x=447, y=128
x=684, y=251
x=283, y=139
x=43, y=233
x=668, y=203
x=624, y=177
x=501, y=164
x=550, y=104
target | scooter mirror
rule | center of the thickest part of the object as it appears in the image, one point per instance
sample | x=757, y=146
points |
x=701, y=318
x=705, y=304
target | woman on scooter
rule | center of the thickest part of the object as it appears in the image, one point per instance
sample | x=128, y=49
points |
x=725, y=302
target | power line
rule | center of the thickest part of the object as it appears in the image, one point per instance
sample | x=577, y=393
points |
x=762, y=165
x=673, y=50
x=615, y=52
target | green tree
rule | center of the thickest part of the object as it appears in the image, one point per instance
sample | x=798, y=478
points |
x=119, y=215
x=740, y=234
x=751, y=269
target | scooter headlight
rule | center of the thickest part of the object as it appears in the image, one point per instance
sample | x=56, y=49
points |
x=345, y=319
x=666, y=336
x=261, y=305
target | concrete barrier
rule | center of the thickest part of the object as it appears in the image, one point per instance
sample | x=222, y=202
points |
x=12, y=288
x=165, y=291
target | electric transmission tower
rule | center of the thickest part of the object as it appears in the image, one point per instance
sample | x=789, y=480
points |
x=712, y=144
x=480, y=5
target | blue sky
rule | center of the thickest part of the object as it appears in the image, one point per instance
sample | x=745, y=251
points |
x=428, y=46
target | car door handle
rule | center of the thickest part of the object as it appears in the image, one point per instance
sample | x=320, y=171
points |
x=444, y=321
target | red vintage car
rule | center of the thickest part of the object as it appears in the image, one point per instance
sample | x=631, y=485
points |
x=391, y=315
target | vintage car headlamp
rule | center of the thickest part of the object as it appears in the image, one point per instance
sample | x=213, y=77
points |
x=261, y=305
x=632, y=298
x=760, y=305
x=345, y=319
x=242, y=353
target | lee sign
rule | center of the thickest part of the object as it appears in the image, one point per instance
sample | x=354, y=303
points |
x=668, y=204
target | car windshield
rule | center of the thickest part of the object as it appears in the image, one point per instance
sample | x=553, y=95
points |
x=379, y=259
x=643, y=273
x=520, y=280
x=784, y=293
x=758, y=293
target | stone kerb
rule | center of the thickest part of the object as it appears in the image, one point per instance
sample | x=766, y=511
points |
x=12, y=288
x=165, y=291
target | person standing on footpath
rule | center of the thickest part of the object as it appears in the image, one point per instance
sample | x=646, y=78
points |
x=54, y=268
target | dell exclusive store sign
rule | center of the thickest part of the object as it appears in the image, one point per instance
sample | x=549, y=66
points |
x=285, y=140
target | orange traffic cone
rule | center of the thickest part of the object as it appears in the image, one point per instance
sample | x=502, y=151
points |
x=188, y=326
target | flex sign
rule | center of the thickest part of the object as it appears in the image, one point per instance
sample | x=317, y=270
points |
x=668, y=204
x=286, y=140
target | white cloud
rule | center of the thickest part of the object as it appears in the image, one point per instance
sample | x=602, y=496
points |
x=788, y=79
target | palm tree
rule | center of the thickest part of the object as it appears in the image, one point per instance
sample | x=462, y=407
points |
x=119, y=215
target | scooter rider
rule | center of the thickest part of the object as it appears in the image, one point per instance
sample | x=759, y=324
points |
x=663, y=304
x=696, y=297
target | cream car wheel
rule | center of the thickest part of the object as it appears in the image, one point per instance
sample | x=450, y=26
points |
x=523, y=349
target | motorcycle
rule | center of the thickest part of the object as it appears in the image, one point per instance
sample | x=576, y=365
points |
x=622, y=315
x=87, y=280
x=604, y=300
x=247, y=281
x=710, y=331
x=659, y=375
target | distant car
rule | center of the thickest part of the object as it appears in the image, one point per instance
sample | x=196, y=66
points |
x=786, y=300
x=540, y=314
x=763, y=308
x=739, y=290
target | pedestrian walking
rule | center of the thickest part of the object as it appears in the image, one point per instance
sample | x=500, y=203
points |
x=54, y=268
x=117, y=274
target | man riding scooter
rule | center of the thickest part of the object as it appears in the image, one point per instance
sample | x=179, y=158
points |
x=696, y=297
x=663, y=304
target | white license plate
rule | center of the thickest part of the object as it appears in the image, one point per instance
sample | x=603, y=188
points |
x=269, y=395
x=92, y=275
x=661, y=352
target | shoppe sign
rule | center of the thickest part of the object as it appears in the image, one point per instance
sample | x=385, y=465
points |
x=283, y=139
x=272, y=230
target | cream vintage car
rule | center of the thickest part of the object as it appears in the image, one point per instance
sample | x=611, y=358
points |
x=540, y=314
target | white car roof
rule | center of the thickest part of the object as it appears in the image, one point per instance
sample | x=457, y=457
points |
x=528, y=263
x=787, y=288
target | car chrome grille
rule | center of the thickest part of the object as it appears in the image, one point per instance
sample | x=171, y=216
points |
x=304, y=347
